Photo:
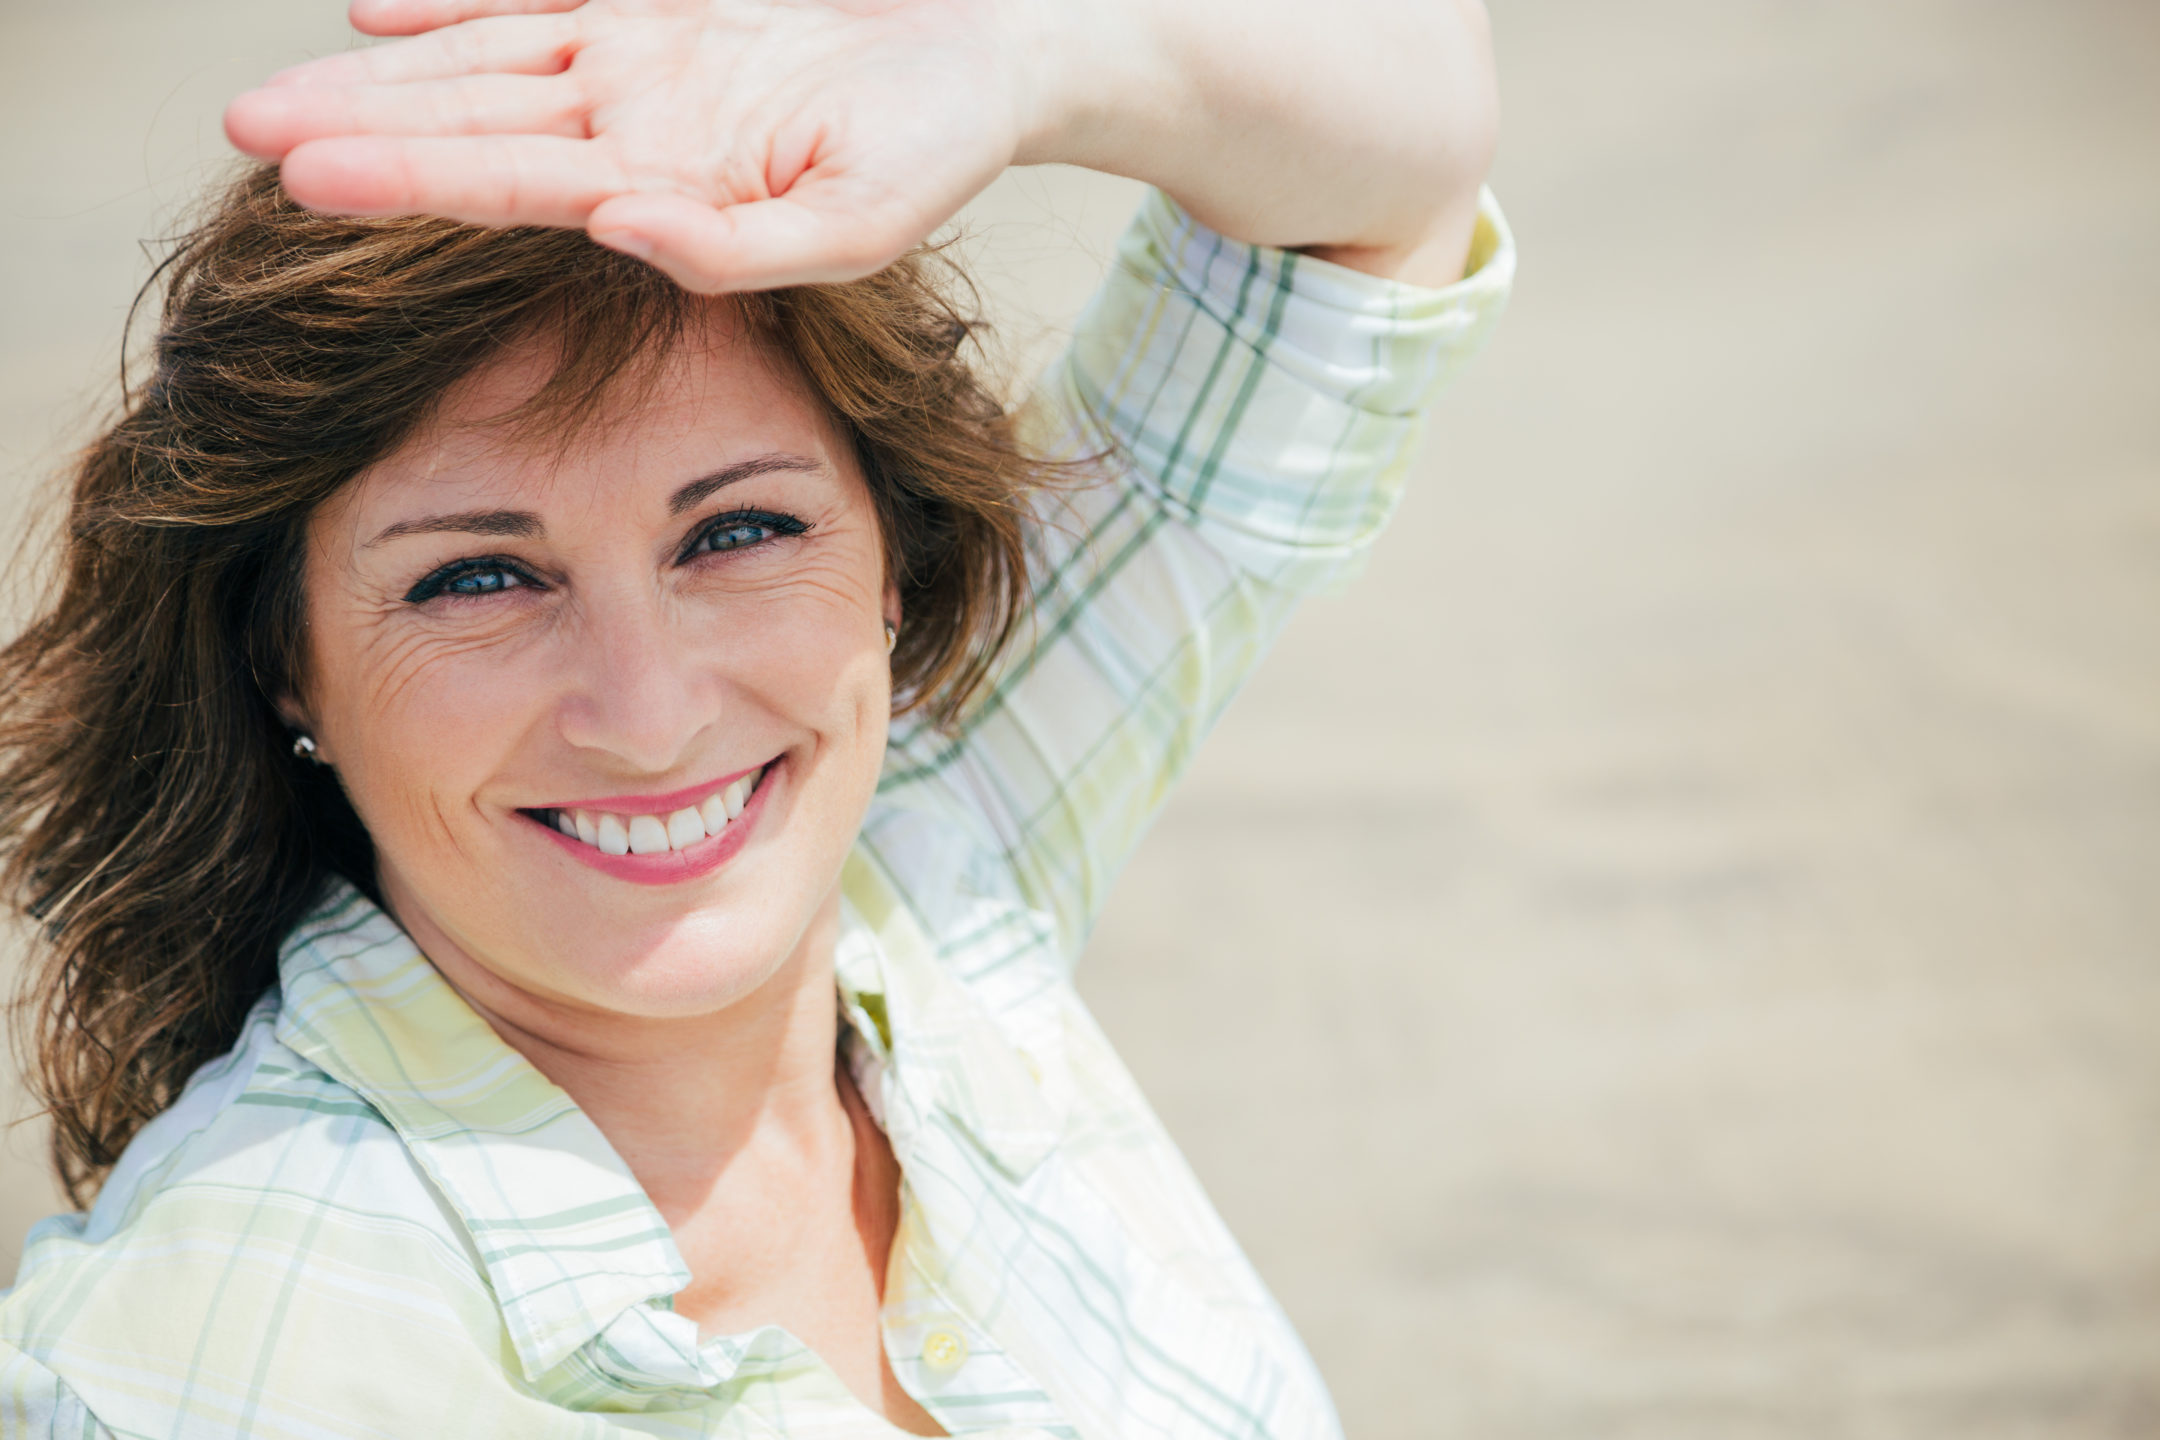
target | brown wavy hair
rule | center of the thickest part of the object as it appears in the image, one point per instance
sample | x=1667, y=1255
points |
x=154, y=823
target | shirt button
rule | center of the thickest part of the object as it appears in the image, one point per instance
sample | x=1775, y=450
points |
x=943, y=1350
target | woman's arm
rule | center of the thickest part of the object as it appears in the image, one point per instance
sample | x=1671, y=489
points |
x=740, y=144
x=1257, y=411
x=1358, y=130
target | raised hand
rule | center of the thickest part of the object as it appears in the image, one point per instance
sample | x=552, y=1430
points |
x=743, y=144
x=736, y=144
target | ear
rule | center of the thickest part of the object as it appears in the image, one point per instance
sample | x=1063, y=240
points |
x=295, y=714
x=892, y=605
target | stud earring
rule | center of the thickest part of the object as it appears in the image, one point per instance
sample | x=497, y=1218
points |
x=303, y=746
x=892, y=636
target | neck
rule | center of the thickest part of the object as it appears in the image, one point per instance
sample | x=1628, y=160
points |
x=683, y=1098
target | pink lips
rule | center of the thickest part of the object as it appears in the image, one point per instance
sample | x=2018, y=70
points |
x=656, y=804
x=674, y=866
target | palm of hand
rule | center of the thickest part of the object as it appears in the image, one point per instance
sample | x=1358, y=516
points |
x=736, y=143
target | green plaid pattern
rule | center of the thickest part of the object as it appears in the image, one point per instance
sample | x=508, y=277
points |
x=374, y=1218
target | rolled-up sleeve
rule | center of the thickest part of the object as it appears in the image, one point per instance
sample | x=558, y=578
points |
x=1268, y=401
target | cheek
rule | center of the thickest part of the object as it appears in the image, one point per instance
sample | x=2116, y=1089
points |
x=415, y=721
x=807, y=653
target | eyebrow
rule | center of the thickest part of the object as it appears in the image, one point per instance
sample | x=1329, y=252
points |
x=726, y=475
x=466, y=522
x=523, y=524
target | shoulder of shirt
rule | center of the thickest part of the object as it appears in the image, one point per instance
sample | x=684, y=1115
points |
x=259, y=1120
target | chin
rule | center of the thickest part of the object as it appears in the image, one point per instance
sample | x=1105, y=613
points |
x=704, y=963
x=657, y=935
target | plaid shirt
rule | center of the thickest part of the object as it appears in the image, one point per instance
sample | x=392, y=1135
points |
x=374, y=1218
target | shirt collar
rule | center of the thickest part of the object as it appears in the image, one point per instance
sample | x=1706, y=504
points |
x=947, y=1055
x=566, y=1235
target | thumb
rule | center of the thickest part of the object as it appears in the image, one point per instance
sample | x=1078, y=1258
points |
x=795, y=239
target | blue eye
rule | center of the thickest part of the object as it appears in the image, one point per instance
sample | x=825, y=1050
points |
x=484, y=576
x=482, y=582
x=735, y=536
x=740, y=531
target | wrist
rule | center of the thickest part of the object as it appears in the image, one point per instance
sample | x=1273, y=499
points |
x=1360, y=135
x=1093, y=83
x=1433, y=255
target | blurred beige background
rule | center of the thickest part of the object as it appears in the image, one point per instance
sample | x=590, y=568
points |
x=1676, y=952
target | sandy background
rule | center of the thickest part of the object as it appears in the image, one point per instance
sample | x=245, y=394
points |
x=1677, y=952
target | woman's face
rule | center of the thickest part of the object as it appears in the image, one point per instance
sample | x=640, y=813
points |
x=676, y=618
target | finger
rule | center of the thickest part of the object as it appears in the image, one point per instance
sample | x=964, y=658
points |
x=760, y=245
x=411, y=17
x=267, y=123
x=505, y=45
x=485, y=180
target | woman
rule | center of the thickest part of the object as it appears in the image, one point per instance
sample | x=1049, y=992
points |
x=502, y=976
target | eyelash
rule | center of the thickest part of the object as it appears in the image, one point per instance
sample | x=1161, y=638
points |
x=439, y=582
x=781, y=526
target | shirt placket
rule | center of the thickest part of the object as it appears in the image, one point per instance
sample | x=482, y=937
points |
x=951, y=1365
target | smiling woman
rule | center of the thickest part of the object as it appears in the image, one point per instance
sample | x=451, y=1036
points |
x=197, y=521
x=561, y=807
x=297, y=500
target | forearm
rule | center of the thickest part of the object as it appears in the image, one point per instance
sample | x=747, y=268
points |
x=1359, y=130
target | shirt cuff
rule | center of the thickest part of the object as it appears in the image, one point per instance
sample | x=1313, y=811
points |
x=1382, y=345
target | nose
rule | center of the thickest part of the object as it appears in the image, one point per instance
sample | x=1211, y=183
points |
x=639, y=692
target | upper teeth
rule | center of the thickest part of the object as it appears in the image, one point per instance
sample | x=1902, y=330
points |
x=613, y=834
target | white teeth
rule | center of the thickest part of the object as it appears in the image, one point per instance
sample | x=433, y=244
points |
x=647, y=835
x=614, y=834
x=684, y=829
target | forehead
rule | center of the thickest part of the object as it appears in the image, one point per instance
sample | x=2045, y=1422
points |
x=718, y=393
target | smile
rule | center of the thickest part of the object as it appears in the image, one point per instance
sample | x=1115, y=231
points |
x=648, y=834
x=659, y=839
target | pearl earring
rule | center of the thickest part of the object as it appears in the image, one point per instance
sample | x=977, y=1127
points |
x=303, y=746
x=892, y=636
